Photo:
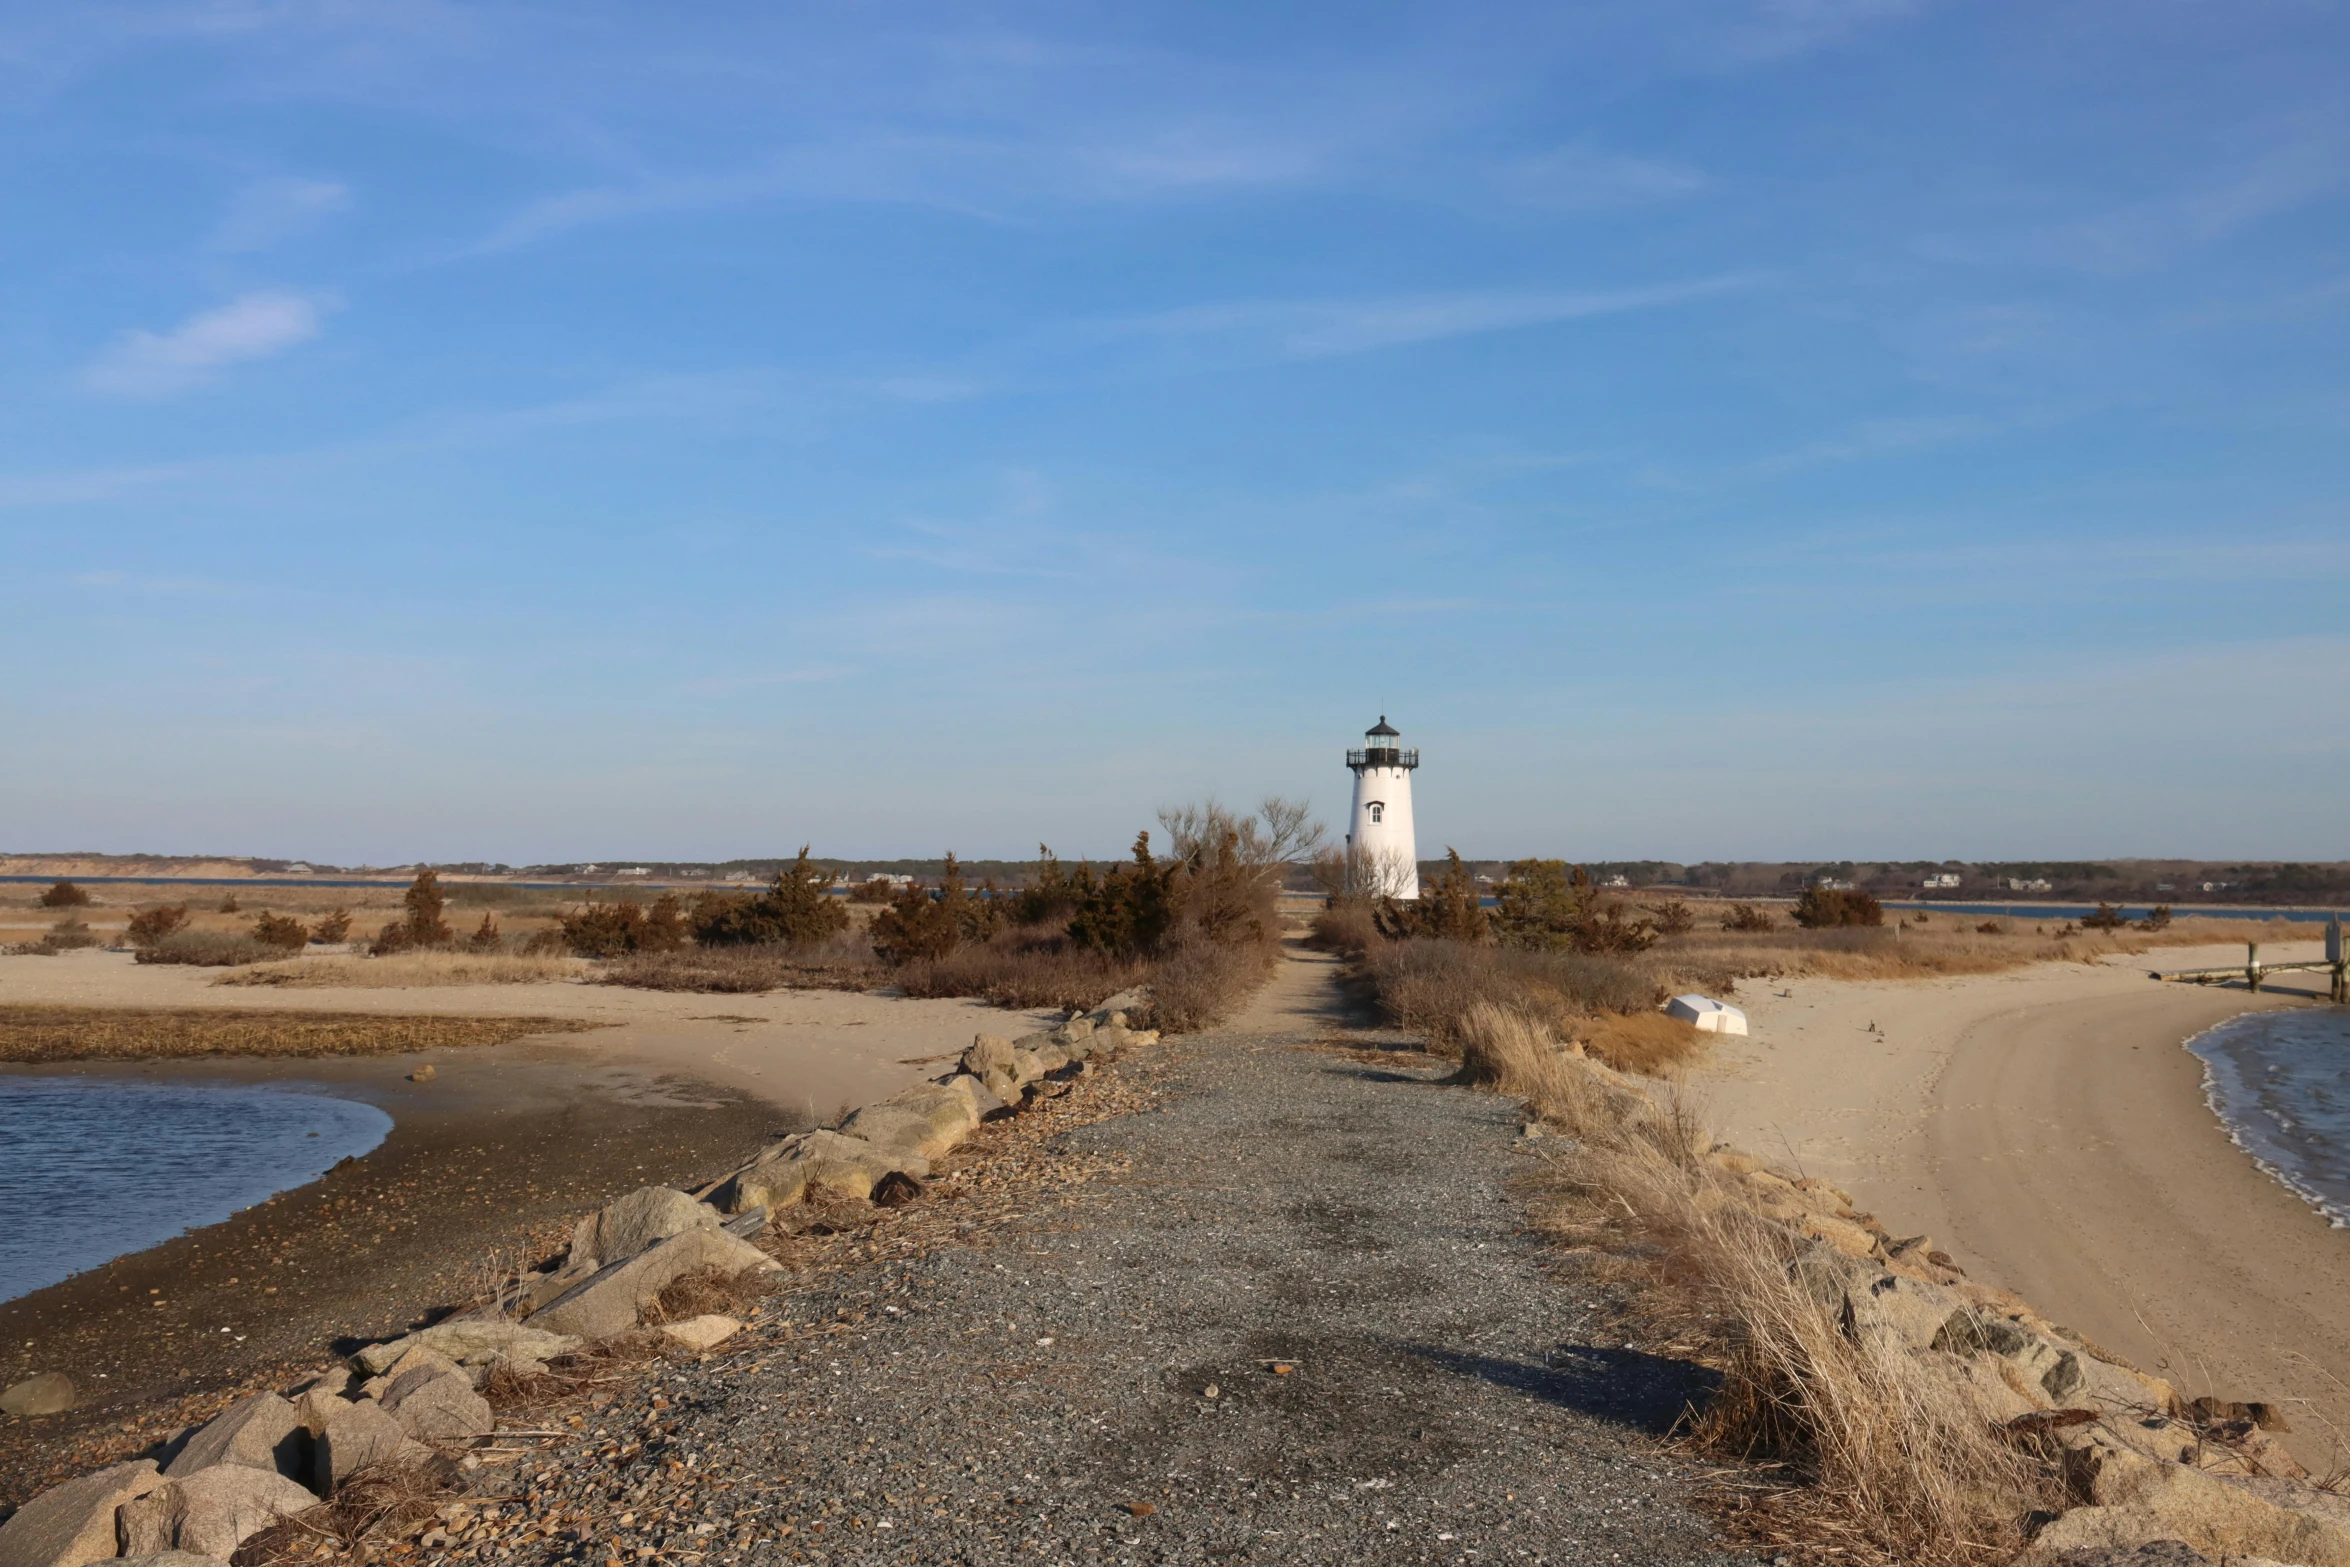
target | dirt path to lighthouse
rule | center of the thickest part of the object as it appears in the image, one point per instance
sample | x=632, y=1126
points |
x=1297, y=1193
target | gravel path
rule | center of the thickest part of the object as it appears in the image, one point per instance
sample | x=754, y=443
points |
x=1095, y=1381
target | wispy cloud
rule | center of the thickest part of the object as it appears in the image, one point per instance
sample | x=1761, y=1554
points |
x=1582, y=177
x=164, y=364
x=268, y=211
x=1321, y=329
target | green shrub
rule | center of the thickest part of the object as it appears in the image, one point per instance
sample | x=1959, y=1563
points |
x=796, y=910
x=2159, y=919
x=1053, y=895
x=1447, y=909
x=921, y=925
x=1672, y=916
x=422, y=925
x=150, y=926
x=1545, y=905
x=1822, y=908
x=281, y=931
x=64, y=895
x=2107, y=917
x=607, y=930
x=485, y=937
x=873, y=889
x=1132, y=907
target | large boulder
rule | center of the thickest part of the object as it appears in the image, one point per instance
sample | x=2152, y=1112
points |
x=2138, y=1501
x=211, y=1512
x=811, y=1166
x=261, y=1432
x=611, y=1300
x=925, y=1120
x=70, y=1524
x=988, y=1053
x=359, y=1435
x=50, y=1393
x=646, y=1216
x=438, y=1406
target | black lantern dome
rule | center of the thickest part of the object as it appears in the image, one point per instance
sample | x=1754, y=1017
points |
x=1381, y=748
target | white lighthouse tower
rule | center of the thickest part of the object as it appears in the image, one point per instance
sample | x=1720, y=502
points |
x=1382, y=858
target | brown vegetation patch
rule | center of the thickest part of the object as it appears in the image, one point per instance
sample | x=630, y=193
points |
x=56, y=1033
x=406, y=970
x=1024, y=968
x=708, y=1291
x=842, y=964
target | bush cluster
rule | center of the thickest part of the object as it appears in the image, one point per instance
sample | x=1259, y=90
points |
x=1823, y=908
x=610, y=930
x=422, y=926
x=150, y=926
x=64, y=895
x=796, y=910
x=281, y=931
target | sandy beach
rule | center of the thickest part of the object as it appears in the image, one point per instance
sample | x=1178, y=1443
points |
x=2048, y=1130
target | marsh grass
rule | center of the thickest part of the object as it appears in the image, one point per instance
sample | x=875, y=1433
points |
x=408, y=970
x=1894, y=1453
x=845, y=962
x=58, y=1033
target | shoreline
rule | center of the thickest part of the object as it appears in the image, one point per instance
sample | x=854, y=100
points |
x=2050, y=1130
x=488, y=1163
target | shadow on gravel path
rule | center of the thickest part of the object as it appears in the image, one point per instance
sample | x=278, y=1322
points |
x=1303, y=1328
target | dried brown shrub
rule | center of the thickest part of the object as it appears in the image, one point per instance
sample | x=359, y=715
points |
x=1201, y=984
x=208, y=949
x=281, y=931
x=844, y=963
x=1346, y=925
x=64, y=895
x=55, y=1033
x=149, y=926
x=1037, y=967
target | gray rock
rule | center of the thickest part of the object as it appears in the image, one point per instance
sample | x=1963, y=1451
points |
x=988, y=1053
x=210, y=1513
x=261, y=1432
x=925, y=1120
x=359, y=1435
x=2155, y=1553
x=70, y=1524
x=473, y=1342
x=439, y=1407
x=812, y=1166
x=643, y=1218
x=50, y=1393
x=611, y=1301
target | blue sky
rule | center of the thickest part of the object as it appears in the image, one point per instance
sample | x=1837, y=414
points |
x=1708, y=428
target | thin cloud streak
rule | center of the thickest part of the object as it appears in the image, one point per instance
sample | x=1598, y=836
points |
x=259, y=325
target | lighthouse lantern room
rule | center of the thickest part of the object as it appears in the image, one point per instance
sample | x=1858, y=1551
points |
x=1382, y=858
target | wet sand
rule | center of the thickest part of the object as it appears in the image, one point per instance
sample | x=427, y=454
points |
x=2047, y=1128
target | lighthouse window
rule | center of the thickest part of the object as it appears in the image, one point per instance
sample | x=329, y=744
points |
x=1378, y=810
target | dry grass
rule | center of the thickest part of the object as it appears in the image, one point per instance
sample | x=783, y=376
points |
x=1943, y=945
x=56, y=1033
x=407, y=970
x=1202, y=983
x=1431, y=986
x=1896, y=1451
x=846, y=963
x=1028, y=968
x=707, y=1291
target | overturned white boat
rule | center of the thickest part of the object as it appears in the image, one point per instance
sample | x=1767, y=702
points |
x=1707, y=1014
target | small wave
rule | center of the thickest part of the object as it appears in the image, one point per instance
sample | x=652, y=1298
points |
x=2280, y=1083
x=93, y=1168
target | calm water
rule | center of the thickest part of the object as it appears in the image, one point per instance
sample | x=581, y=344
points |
x=2281, y=1082
x=92, y=1168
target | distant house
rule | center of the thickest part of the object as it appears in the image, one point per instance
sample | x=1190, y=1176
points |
x=1943, y=882
x=740, y=876
x=2018, y=884
x=633, y=870
x=1619, y=881
x=2217, y=886
x=1832, y=884
x=297, y=870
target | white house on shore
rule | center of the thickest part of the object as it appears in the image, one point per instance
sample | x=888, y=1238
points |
x=1382, y=856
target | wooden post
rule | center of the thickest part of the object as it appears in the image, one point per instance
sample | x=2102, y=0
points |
x=2336, y=957
x=2252, y=965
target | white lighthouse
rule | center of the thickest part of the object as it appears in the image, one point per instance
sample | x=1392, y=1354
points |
x=1382, y=858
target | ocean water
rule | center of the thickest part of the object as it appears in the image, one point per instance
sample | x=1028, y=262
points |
x=92, y=1168
x=2281, y=1083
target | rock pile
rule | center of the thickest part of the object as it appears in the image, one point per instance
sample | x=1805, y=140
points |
x=416, y=1399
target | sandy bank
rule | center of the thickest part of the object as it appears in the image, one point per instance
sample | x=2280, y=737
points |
x=2047, y=1129
x=800, y=1049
